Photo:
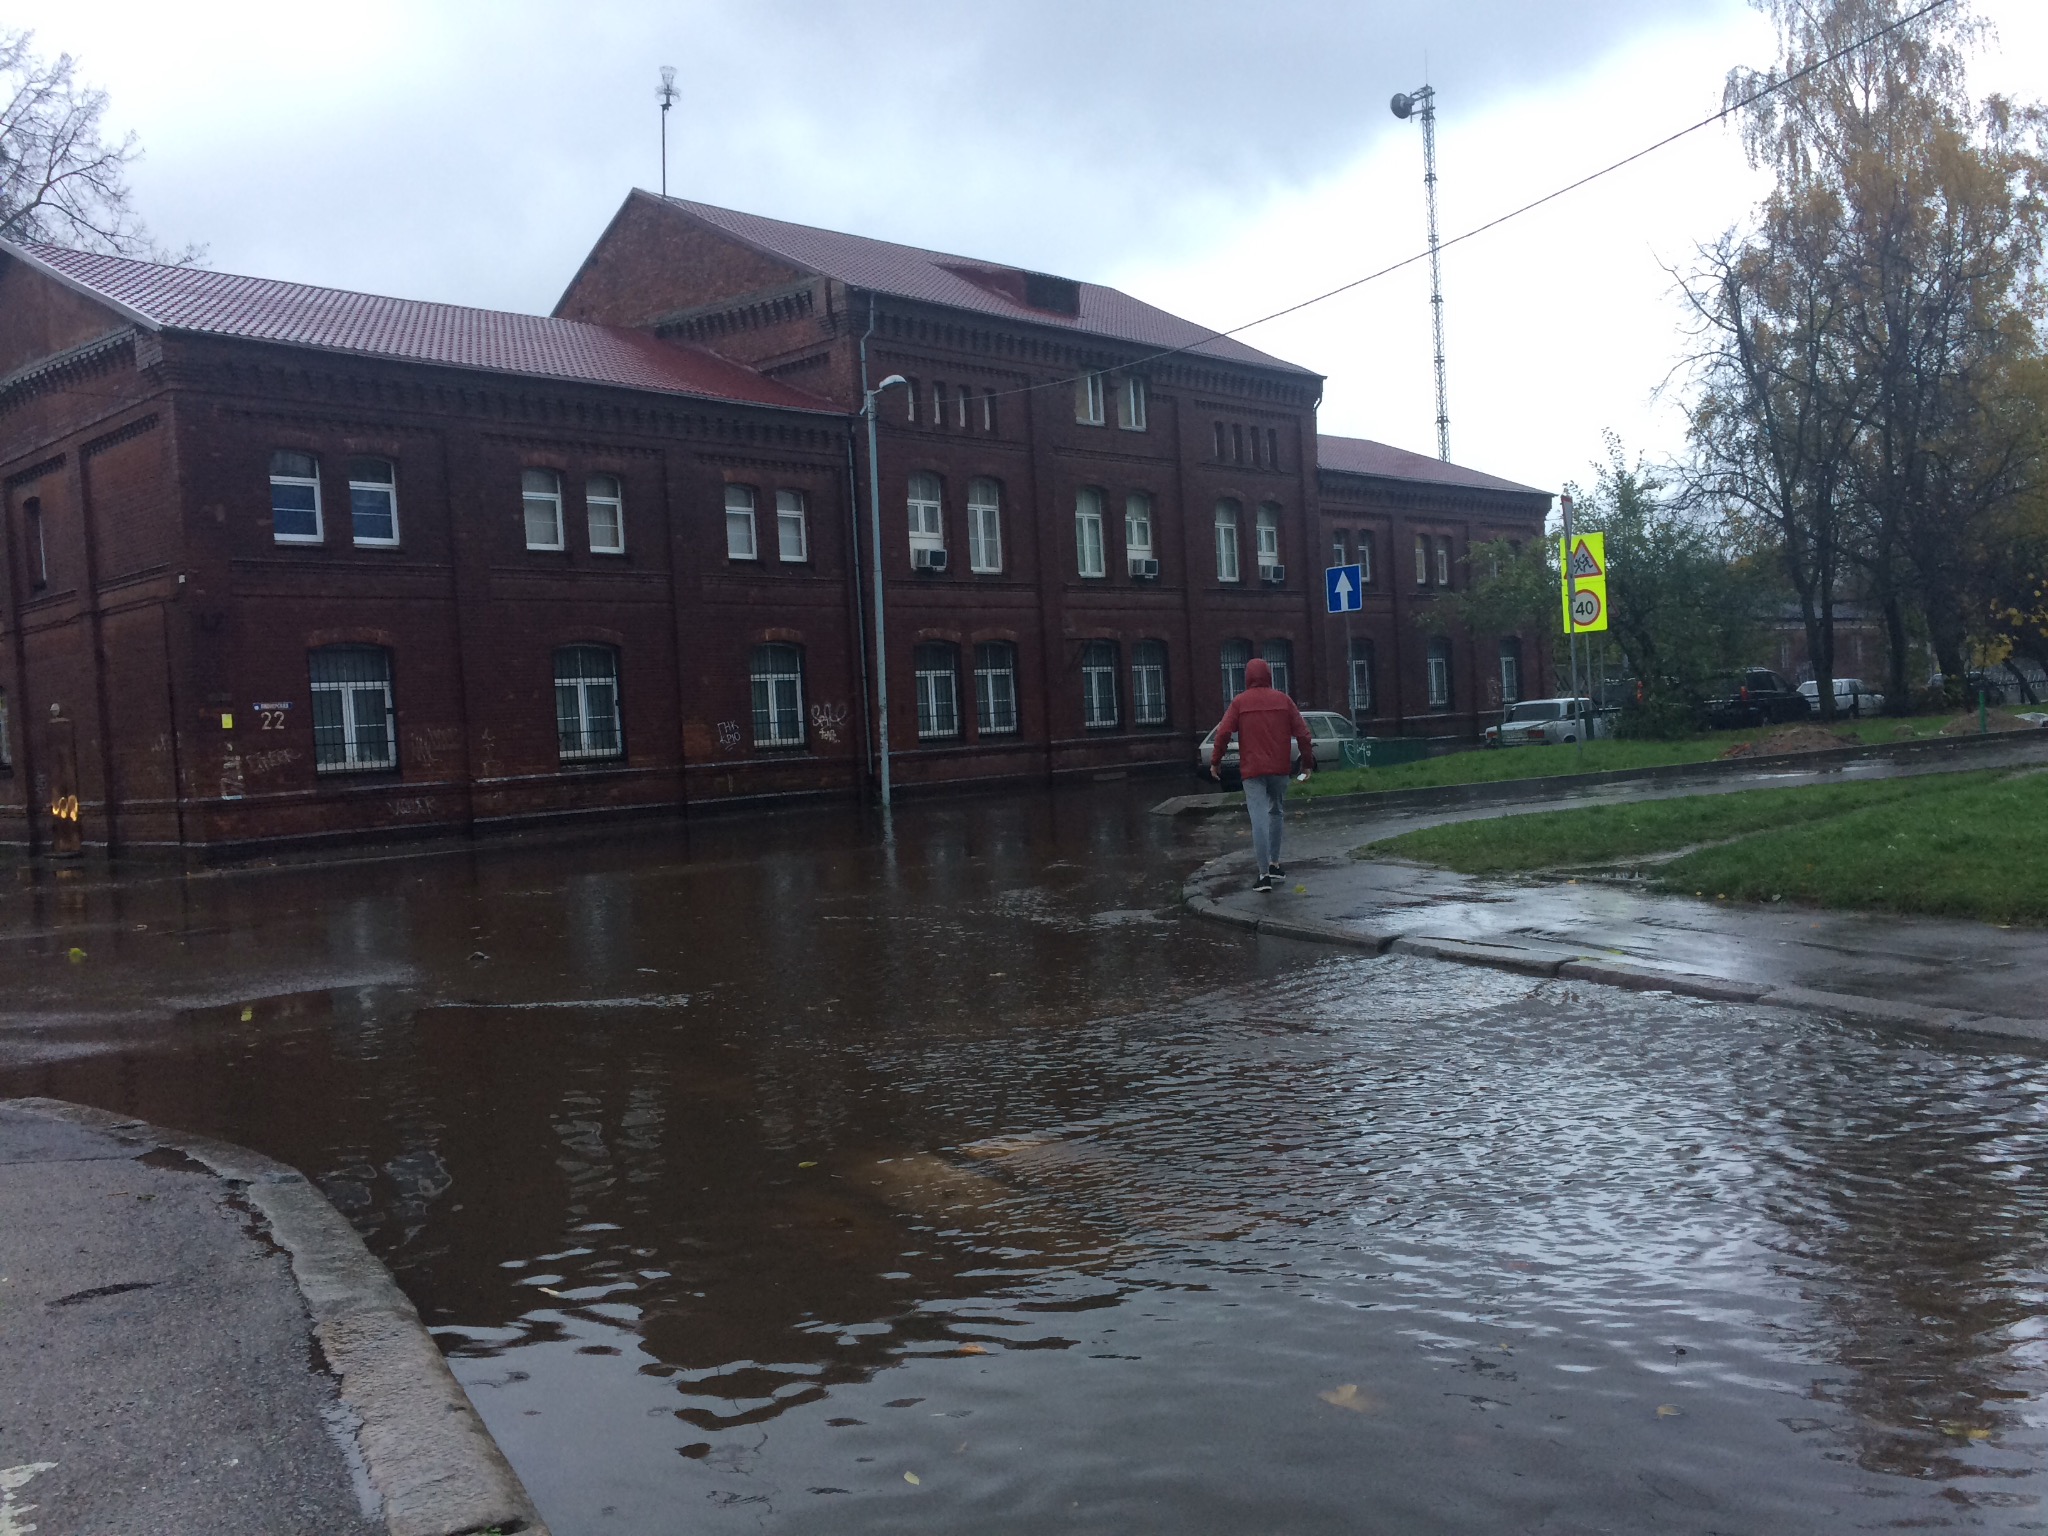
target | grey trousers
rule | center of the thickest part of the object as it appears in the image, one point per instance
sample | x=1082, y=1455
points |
x=1265, y=797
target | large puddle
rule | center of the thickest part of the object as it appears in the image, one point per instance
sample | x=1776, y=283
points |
x=772, y=1177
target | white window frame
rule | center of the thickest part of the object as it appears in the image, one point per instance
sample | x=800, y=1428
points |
x=547, y=502
x=1358, y=666
x=938, y=695
x=1268, y=526
x=1439, y=678
x=615, y=500
x=927, y=512
x=790, y=519
x=1283, y=666
x=1138, y=526
x=1088, y=400
x=1364, y=561
x=988, y=411
x=580, y=683
x=319, y=533
x=995, y=708
x=1130, y=403
x=1233, y=670
x=1227, y=516
x=742, y=538
x=984, y=526
x=1098, y=688
x=352, y=694
x=1337, y=546
x=938, y=403
x=1422, y=559
x=1148, y=683
x=1089, y=557
x=1510, y=675
x=1443, y=562
x=784, y=694
x=387, y=488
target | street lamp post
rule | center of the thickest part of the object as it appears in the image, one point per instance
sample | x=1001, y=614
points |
x=867, y=409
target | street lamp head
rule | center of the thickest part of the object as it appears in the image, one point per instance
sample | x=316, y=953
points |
x=891, y=382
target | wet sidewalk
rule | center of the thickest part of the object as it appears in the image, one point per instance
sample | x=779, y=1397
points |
x=191, y=1339
x=1934, y=974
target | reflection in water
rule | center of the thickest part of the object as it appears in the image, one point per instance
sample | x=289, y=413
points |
x=744, y=1172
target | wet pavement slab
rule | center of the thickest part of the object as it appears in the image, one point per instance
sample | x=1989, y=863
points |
x=781, y=1175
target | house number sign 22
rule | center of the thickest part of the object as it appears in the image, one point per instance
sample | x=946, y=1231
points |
x=270, y=717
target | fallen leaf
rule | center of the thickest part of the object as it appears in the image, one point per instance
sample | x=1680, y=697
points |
x=546, y=1292
x=807, y=1165
x=912, y=1477
x=77, y=955
x=248, y=1014
x=1666, y=1411
x=1348, y=1396
x=970, y=1349
x=1301, y=890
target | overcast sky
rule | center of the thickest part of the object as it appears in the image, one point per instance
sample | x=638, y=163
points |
x=1218, y=159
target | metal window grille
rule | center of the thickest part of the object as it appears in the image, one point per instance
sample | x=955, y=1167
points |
x=605, y=503
x=294, y=498
x=1226, y=541
x=1279, y=656
x=1439, y=674
x=1148, y=683
x=1088, y=531
x=587, y=702
x=541, y=494
x=1098, y=685
x=739, y=523
x=354, y=723
x=938, y=692
x=1361, y=679
x=792, y=534
x=1510, y=672
x=373, y=500
x=995, y=688
x=984, y=525
x=778, y=675
x=1237, y=655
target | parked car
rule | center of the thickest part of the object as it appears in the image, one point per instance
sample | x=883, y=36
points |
x=1853, y=696
x=1537, y=722
x=1326, y=728
x=1754, y=696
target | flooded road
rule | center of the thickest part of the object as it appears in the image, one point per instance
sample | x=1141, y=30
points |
x=766, y=1176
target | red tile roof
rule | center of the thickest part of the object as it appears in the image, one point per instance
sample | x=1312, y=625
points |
x=335, y=320
x=1361, y=456
x=908, y=272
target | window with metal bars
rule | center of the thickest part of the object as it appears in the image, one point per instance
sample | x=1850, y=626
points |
x=587, y=703
x=355, y=725
x=1237, y=655
x=995, y=688
x=1440, y=673
x=778, y=678
x=1361, y=679
x=1098, y=685
x=1279, y=655
x=1148, y=682
x=938, y=691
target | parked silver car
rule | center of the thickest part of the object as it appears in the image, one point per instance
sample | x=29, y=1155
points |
x=1853, y=696
x=1535, y=722
x=1326, y=728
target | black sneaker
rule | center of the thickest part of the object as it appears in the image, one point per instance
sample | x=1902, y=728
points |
x=1263, y=883
x=1276, y=871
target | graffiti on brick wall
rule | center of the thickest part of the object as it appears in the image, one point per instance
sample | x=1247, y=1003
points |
x=428, y=745
x=828, y=720
x=231, y=783
x=270, y=760
x=728, y=735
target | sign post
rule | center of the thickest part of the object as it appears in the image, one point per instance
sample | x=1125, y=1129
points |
x=1584, y=558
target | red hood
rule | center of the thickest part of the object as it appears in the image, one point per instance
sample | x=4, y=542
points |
x=1257, y=674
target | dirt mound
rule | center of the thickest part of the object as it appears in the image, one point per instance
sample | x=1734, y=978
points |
x=1793, y=738
x=1996, y=719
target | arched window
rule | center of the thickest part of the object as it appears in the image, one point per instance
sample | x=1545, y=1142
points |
x=1088, y=532
x=540, y=492
x=587, y=703
x=927, y=514
x=938, y=691
x=1148, y=683
x=354, y=719
x=1440, y=673
x=1443, y=562
x=294, y=497
x=984, y=525
x=1361, y=680
x=1237, y=655
x=778, y=677
x=1098, y=685
x=373, y=501
x=1269, y=539
x=740, y=542
x=1279, y=655
x=1227, y=513
x=604, y=503
x=792, y=532
x=995, y=688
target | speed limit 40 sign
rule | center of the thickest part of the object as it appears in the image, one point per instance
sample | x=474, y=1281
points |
x=1585, y=584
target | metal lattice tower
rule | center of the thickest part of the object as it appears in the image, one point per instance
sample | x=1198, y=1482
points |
x=1422, y=104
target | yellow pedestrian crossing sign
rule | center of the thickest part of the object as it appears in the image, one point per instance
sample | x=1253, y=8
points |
x=1584, y=583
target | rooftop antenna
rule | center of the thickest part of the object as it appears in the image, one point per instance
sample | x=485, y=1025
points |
x=667, y=93
x=1422, y=104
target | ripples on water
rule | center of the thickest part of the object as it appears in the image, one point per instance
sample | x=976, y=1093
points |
x=990, y=1170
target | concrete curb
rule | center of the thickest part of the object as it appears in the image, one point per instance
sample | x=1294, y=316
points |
x=427, y=1452
x=1495, y=790
x=1570, y=965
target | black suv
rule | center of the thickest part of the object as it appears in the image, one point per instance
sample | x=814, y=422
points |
x=1754, y=696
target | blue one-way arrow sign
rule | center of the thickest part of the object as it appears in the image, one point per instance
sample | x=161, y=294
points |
x=1346, y=589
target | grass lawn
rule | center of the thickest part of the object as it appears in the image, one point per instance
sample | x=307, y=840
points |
x=1480, y=766
x=1952, y=845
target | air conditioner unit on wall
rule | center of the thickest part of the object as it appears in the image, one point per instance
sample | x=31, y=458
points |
x=1144, y=568
x=1273, y=573
x=928, y=559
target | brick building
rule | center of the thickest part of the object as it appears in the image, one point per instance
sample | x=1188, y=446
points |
x=287, y=562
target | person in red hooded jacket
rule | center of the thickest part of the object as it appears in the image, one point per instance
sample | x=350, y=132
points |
x=1268, y=727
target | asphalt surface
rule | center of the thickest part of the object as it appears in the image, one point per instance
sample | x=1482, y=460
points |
x=157, y=1366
